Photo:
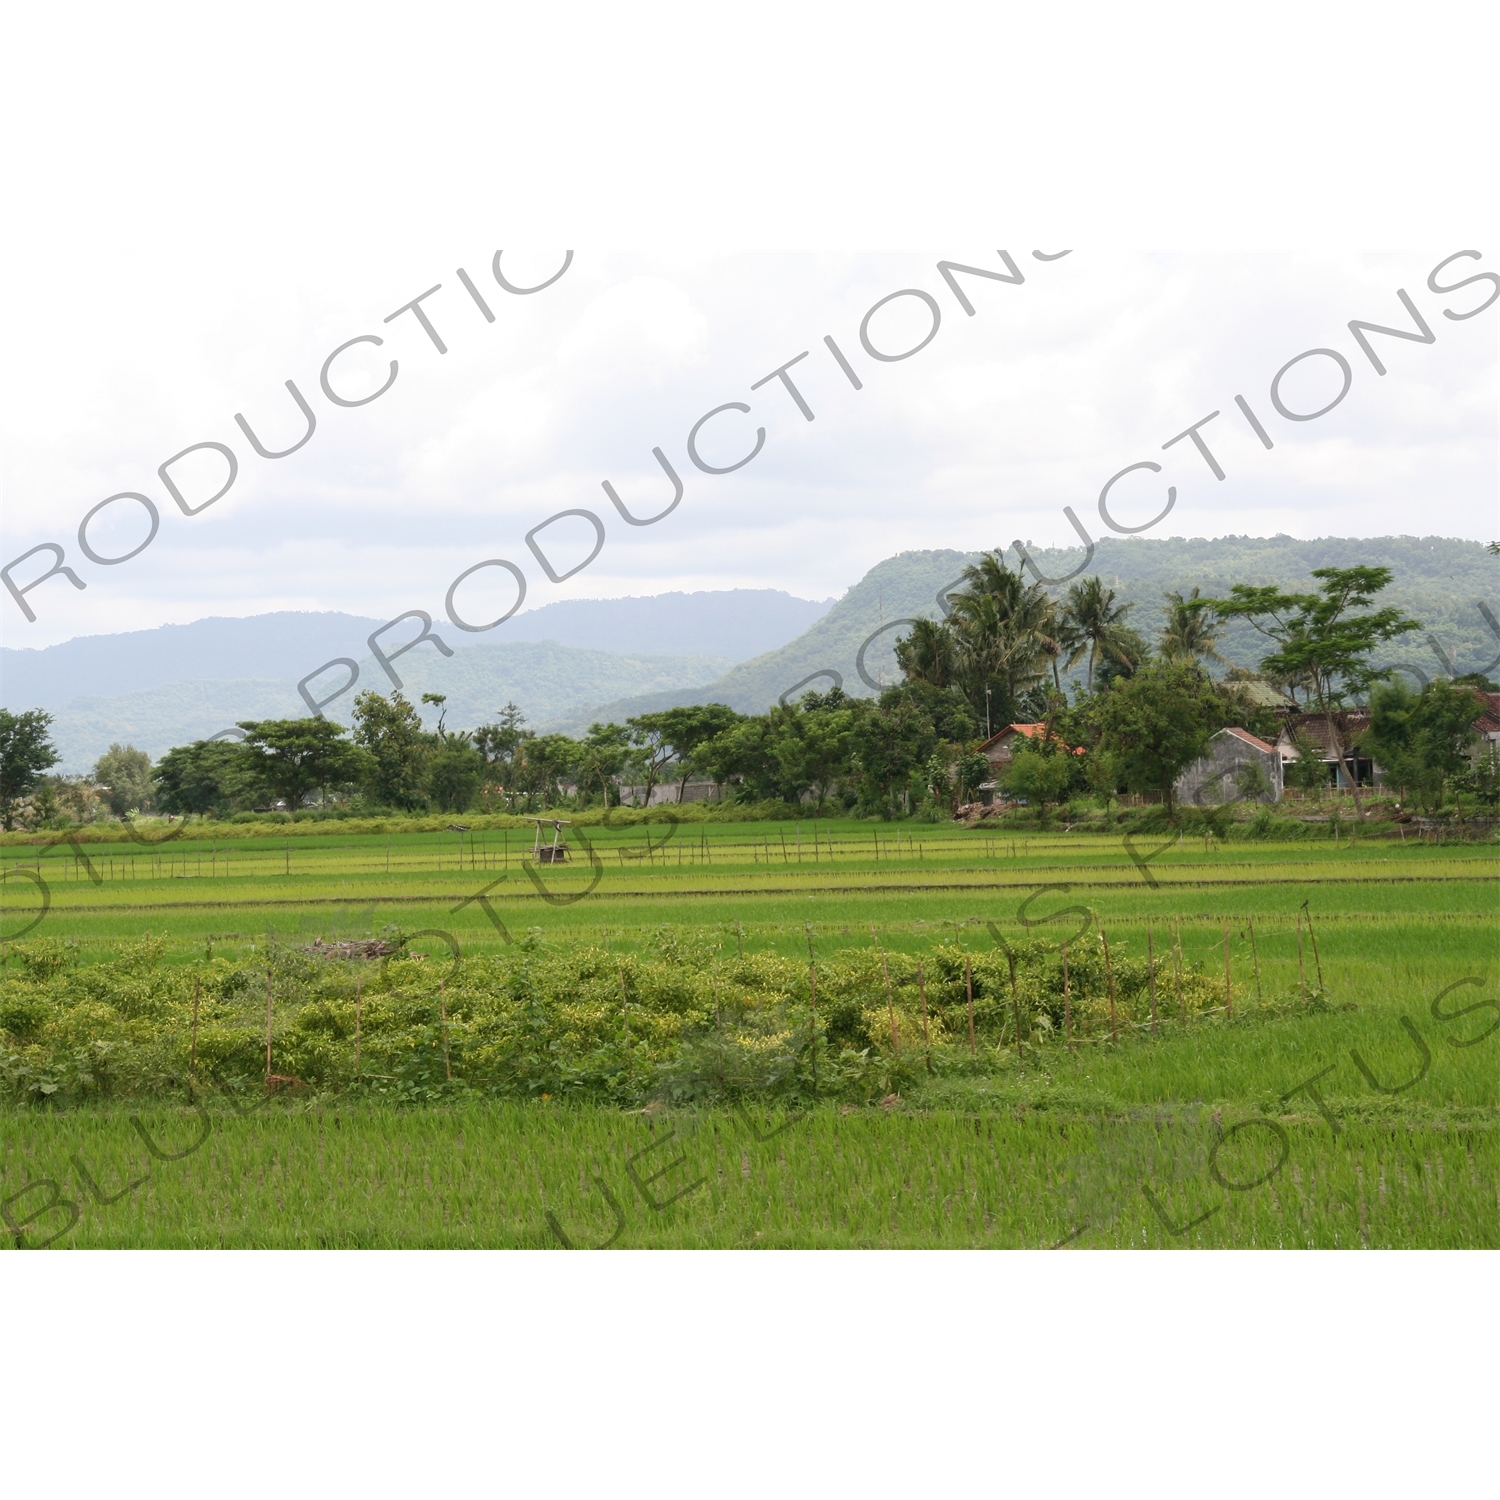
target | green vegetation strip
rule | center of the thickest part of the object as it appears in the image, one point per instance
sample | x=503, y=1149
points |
x=541, y=1177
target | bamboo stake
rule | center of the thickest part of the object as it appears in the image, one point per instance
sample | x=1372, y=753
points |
x=1177, y=965
x=1255, y=958
x=443, y=1019
x=739, y=935
x=1314, y=936
x=719, y=1039
x=269, y=1005
x=926, y=1030
x=812, y=980
x=1301, y=971
x=1015, y=998
x=1109, y=974
x=890, y=1004
x=1150, y=975
x=1228, y=986
x=624, y=1007
x=359, y=1005
x=193, y=1049
x=1067, y=1001
x=969, y=985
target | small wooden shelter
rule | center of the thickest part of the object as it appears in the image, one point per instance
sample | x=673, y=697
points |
x=555, y=852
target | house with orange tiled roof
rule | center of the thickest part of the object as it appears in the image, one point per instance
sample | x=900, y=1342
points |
x=1000, y=749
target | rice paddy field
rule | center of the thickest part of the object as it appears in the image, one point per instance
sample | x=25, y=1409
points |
x=1022, y=1039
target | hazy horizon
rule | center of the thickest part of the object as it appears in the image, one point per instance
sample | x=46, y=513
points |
x=1045, y=374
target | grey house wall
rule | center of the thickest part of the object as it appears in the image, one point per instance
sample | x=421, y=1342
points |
x=1211, y=782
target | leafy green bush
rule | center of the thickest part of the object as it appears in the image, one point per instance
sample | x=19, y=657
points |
x=684, y=1020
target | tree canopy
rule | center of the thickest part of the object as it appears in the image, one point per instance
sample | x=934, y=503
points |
x=26, y=753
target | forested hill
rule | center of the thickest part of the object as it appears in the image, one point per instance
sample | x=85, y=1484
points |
x=1438, y=580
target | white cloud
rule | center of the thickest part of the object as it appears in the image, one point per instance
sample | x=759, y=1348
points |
x=983, y=436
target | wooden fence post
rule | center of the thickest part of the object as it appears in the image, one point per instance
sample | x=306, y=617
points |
x=1067, y=1001
x=1177, y=965
x=443, y=1023
x=926, y=1029
x=969, y=985
x=1109, y=975
x=1228, y=986
x=1015, y=998
x=193, y=1049
x=1150, y=974
x=1301, y=970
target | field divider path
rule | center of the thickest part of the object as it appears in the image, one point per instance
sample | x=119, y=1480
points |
x=892, y=886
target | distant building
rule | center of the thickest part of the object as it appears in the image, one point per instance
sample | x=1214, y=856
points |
x=1000, y=749
x=1488, y=723
x=665, y=792
x=1311, y=731
x=1220, y=775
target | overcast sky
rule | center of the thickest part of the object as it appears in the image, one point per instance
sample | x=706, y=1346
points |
x=980, y=437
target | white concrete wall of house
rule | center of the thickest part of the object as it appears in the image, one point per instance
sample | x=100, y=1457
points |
x=665, y=793
x=1215, y=779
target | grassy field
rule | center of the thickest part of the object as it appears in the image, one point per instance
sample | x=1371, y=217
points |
x=1349, y=965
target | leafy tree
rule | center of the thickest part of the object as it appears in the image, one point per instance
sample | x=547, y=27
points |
x=398, y=750
x=1158, y=723
x=891, y=742
x=1309, y=772
x=1102, y=772
x=952, y=717
x=26, y=753
x=1094, y=625
x=745, y=754
x=814, y=744
x=207, y=776
x=651, y=747
x=1191, y=630
x=439, y=701
x=970, y=771
x=1041, y=774
x=1320, y=643
x=601, y=758
x=549, y=760
x=687, y=729
x=126, y=771
x=293, y=758
x=1480, y=779
x=1421, y=739
x=498, y=745
x=456, y=775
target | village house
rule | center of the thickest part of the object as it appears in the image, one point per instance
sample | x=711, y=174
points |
x=1000, y=749
x=1225, y=774
x=1310, y=730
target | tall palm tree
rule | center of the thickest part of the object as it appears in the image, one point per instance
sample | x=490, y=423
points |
x=1095, y=623
x=927, y=654
x=1192, y=629
x=1004, y=629
x=995, y=644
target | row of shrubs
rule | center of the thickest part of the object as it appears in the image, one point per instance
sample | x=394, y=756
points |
x=682, y=1021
